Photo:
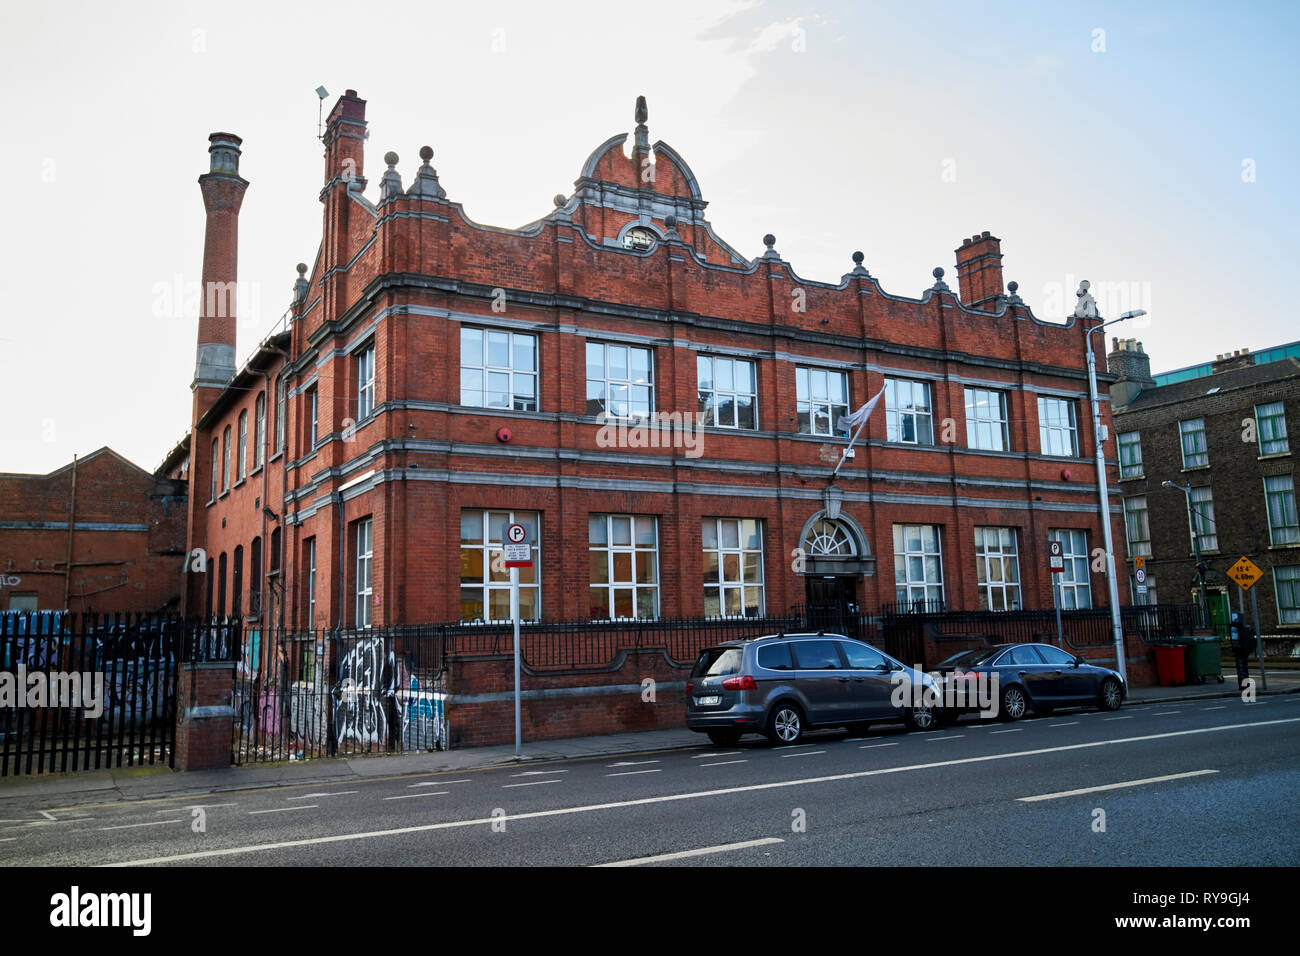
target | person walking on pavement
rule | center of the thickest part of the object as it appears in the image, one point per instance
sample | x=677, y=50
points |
x=1243, y=645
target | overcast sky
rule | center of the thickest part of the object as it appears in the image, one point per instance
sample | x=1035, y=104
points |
x=1148, y=147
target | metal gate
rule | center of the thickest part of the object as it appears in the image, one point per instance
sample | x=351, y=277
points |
x=86, y=692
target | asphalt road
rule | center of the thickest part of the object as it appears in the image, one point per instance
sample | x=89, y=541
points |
x=1192, y=783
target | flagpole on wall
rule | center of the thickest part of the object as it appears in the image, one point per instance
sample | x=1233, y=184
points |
x=865, y=411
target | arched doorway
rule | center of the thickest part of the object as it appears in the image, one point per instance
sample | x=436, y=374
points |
x=835, y=556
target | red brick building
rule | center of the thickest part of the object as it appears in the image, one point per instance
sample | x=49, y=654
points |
x=437, y=378
x=99, y=534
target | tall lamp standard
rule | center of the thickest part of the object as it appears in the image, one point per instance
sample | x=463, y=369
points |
x=1196, y=545
x=1102, y=492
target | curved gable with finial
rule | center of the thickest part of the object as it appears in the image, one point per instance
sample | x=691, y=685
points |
x=623, y=187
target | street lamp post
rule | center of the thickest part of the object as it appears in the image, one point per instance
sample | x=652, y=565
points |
x=1103, y=493
x=1196, y=547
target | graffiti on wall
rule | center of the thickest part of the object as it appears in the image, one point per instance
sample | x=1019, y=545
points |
x=424, y=716
x=363, y=693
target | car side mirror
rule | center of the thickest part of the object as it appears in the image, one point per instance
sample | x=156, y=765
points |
x=1079, y=660
x=883, y=666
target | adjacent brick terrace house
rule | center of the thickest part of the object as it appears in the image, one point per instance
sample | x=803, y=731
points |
x=437, y=378
x=1219, y=430
x=99, y=534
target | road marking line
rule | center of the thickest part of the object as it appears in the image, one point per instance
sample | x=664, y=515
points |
x=1073, y=723
x=892, y=743
x=47, y=815
x=310, y=796
x=1166, y=713
x=427, y=793
x=723, y=763
x=1119, y=718
x=630, y=763
x=806, y=753
x=132, y=826
x=631, y=773
x=854, y=740
x=536, y=773
x=692, y=795
x=301, y=806
x=435, y=783
x=949, y=737
x=1220, y=707
x=530, y=783
x=684, y=854
x=196, y=806
x=728, y=753
x=1115, y=786
x=1013, y=730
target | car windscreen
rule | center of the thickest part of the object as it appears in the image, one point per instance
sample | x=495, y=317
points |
x=971, y=658
x=718, y=661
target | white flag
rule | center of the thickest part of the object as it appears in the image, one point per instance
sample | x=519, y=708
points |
x=849, y=422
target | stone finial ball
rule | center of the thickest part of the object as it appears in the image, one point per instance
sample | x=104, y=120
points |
x=1012, y=286
x=426, y=153
x=670, y=221
x=302, y=268
x=558, y=199
x=858, y=257
x=938, y=272
x=769, y=240
x=390, y=158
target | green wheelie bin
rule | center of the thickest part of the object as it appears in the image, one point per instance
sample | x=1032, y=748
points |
x=1201, y=657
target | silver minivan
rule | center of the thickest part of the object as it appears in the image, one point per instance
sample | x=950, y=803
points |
x=784, y=684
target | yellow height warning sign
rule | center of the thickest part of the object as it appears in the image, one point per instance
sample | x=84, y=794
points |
x=1245, y=573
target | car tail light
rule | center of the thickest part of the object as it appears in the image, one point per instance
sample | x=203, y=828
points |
x=739, y=683
x=690, y=686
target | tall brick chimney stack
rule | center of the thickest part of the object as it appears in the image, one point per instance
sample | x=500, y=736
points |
x=223, y=193
x=1131, y=367
x=979, y=271
x=345, y=140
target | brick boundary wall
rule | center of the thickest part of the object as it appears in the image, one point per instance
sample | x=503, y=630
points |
x=204, y=716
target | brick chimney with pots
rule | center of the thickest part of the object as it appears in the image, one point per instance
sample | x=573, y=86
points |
x=1240, y=358
x=979, y=271
x=1131, y=367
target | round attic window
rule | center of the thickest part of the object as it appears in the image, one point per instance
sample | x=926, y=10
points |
x=639, y=238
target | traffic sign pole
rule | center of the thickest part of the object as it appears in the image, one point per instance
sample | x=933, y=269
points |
x=516, y=550
x=1259, y=641
x=514, y=615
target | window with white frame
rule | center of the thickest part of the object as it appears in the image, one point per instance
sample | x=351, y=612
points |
x=498, y=369
x=243, y=444
x=364, y=582
x=620, y=381
x=484, y=578
x=1201, y=501
x=1270, y=422
x=1130, y=455
x=309, y=569
x=1192, y=437
x=1286, y=585
x=728, y=392
x=225, y=459
x=909, y=416
x=997, y=569
x=1137, y=526
x=821, y=399
x=313, y=409
x=1074, y=581
x=733, y=567
x=259, y=431
x=216, y=469
x=281, y=429
x=1279, y=497
x=986, y=420
x=623, y=551
x=1057, y=431
x=918, y=565
x=365, y=381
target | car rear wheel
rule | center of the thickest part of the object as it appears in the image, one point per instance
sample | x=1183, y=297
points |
x=1014, y=703
x=785, y=725
x=921, y=718
x=724, y=738
x=1112, y=695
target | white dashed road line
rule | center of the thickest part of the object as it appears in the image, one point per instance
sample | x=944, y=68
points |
x=1072, y=723
x=1115, y=786
x=1012, y=730
x=729, y=753
x=684, y=854
x=631, y=773
x=1119, y=718
x=301, y=806
x=530, y=783
x=949, y=737
x=312, y=796
x=723, y=763
x=892, y=743
x=630, y=763
x=427, y=793
x=132, y=826
x=537, y=773
x=806, y=753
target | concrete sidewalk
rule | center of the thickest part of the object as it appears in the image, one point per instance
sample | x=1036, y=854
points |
x=55, y=790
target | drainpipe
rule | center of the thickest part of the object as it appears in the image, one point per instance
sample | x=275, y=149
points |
x=72, y=522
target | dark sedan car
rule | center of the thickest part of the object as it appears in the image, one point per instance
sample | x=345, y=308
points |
x=1038, y=677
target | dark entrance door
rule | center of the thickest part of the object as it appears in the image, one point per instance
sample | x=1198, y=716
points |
x=832, y=603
